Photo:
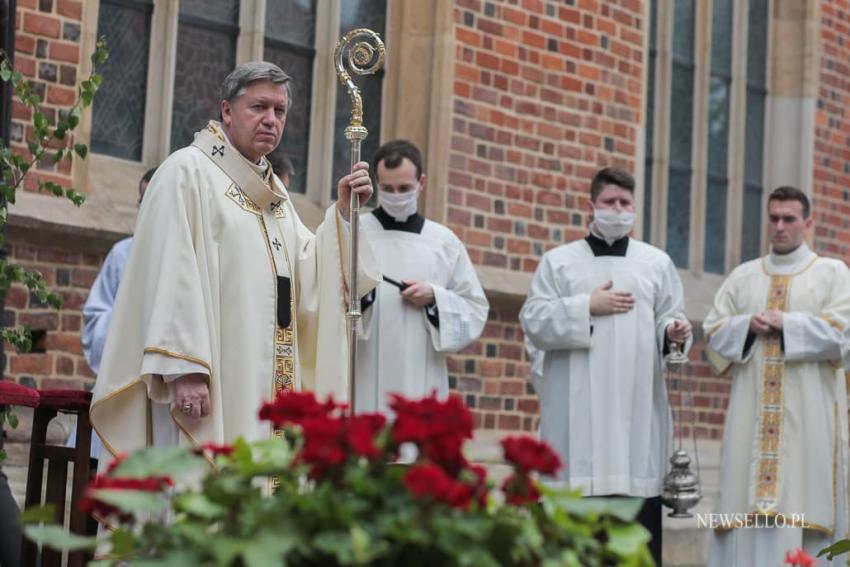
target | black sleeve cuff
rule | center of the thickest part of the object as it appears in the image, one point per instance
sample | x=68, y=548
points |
x=433, y=314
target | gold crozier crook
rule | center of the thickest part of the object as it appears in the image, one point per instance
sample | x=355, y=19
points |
x=360, y=51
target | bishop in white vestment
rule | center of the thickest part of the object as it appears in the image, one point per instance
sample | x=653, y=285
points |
x=779, y=328
x=225, y=283
x=429, y=305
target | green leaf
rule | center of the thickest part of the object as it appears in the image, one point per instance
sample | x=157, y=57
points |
x=5, y=73
x=12, y=419
x=269, y=548
x=57, y=538
x=134, y=501
x=2, y=455
x=838, y=548
x=81, y=149
x=75, y=197
x=199, y=505
x=158, y=461
x=123, y=541
x=627, y=539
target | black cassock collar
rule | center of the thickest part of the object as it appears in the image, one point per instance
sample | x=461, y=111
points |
x=601, y=248
x=414, y=222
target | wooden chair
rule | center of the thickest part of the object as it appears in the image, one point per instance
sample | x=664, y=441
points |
x=50, y=404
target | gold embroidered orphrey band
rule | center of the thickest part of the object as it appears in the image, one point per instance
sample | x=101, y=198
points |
x=771, y=405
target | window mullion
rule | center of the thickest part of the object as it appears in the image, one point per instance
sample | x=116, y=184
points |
x=699, y=157
x=661, y=143
x=252, y=17
x=160, y=93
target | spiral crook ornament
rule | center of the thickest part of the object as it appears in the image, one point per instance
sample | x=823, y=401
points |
x=361, y=52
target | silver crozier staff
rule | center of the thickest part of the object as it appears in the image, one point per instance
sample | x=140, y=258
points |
x=365, y=57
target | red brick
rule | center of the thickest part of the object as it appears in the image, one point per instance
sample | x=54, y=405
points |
x=83, y=277
x=32, y=364
x=65, y=365
x=65, y=52
x=64, y=342
x=509, y=422
x=23, y=44
x=70, y=8
x=60, y=95
x=48, y=321
x=39, y=24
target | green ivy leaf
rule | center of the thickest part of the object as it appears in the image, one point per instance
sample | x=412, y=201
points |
x=838, y=548
x=81, y=149
x=12, y=419
x=159, y=461
x=199, y=505
x=38, y=514
x=133, y=501
x=627, y=539
x=57, y=538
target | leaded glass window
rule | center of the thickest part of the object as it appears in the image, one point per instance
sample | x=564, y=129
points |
x=718, y=136
x=118, y=115
x=206, y=53
x=290, y=44
x=754, y=151
x=359, y=14
x=681, y=134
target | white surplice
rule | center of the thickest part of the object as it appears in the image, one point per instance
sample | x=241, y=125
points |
x=603, y=401
x=785, y=439
x=200, y=293
x=401, y=350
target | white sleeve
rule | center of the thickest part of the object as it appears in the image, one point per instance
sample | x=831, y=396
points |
x=461, y=305
x=550, y=317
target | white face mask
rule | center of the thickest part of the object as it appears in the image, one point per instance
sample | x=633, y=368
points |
x=398, y=205
x=613, y=225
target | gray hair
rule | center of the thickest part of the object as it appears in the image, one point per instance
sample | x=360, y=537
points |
x=244, y=74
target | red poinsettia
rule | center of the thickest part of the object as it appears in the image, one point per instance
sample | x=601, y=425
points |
x=530, y=455
x=294, y=407
x=431, y=481
x=90, y=504
x=330, y=437
x=438, y=427
x=799, y=557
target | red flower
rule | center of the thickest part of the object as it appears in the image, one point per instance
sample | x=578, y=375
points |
x=324, y=444
x=214, y=450
x=520, y=490
x=527, y=455
x=799, y=557
x=291, y=407
x=438, y=427
x=91, y=505
x=430, y=481
x=361, y=433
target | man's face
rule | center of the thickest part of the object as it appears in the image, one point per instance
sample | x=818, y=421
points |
x=616, y=198
x=255, y=119
x=402, y=179
x=786, y=227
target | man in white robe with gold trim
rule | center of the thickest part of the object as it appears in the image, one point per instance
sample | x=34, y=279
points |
x=227, y=298
x=779, y=325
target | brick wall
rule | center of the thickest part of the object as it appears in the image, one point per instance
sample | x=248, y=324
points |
x=545, y=93
x=492, y=375
x=57, y=360
x=47, y=52
x=831, y=183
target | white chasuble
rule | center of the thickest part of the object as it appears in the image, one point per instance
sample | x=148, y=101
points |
x=205, y=290
x=602, y=395
x=785, y=439
x=403, y=348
